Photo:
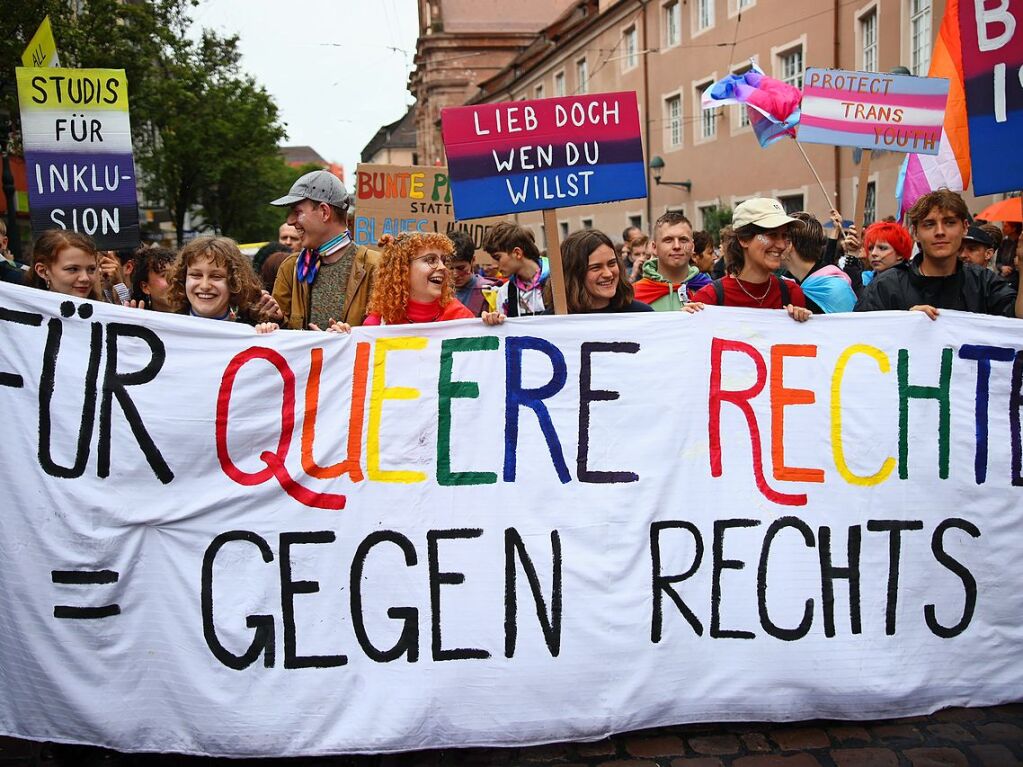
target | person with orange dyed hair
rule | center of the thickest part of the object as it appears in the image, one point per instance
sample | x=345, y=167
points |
x=886, y=244
x=413, y=282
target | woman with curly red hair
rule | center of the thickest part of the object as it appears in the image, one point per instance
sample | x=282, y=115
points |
x=887, y=244
x=413, y=284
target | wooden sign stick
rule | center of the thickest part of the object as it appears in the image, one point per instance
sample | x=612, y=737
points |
x=861, y=192
x=550, y=227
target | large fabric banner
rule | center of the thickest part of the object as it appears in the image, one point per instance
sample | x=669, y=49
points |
x=429, y=536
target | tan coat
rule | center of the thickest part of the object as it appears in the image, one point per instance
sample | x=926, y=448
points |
x=293, y=296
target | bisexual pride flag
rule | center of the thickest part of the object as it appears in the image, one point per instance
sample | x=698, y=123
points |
x=78, y=155
x=543, y=154
x=772, y=105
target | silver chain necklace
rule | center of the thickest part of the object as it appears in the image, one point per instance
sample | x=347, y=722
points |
x=758, y=299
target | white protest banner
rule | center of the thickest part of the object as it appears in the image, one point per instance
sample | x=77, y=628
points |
x=444, y=535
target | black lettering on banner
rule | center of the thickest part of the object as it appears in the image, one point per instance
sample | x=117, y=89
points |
x=957, y=567
x=47, y=382
x=587, y=396
x=894, y=528
x=721, y=564
x=114, y=385
x=263, y=637
x=550, y=623
x=438, y=579
x=663, y=584
x=800, y=631
x=289, y=588
x=408, y=642
x=831, y=572
x=13, y=380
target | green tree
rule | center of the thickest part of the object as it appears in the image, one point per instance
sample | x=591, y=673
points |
x=205, y=134
x=715, y=220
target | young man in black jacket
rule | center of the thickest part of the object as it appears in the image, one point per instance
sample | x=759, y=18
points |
x=936, y=278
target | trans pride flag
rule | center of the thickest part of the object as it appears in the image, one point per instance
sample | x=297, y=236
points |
x=773, y=106
x=949, y=168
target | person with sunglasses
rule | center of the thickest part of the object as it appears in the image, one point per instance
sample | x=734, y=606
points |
x=761, y=229
x=413, y=282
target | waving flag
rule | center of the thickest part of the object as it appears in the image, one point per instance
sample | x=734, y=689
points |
x=773, y=106
x=949, y=168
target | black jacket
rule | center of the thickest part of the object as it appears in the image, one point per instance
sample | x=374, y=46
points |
x=969, y=289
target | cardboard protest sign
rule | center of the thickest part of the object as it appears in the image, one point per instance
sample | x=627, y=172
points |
x=871, y=110
x=445, y=535
x=992, y=61
x=391, y=199
x=77, y=139
x=548, y=153
x=41, y=50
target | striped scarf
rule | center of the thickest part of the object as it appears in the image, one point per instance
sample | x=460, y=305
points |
x=309, y=260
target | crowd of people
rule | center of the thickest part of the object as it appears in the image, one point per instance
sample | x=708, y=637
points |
x=314, y=277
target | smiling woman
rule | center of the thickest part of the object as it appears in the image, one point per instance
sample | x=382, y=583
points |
x=65, y=262
x=413, y=283
x=761, y=237
x=595, y=275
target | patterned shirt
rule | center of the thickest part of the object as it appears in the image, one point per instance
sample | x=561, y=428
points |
x=329, y=291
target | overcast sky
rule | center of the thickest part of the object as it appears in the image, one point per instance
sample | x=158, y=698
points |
x=338, y=69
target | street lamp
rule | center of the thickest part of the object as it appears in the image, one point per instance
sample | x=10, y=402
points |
x=657, y=165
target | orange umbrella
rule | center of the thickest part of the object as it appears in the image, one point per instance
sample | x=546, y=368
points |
x=1004, y=210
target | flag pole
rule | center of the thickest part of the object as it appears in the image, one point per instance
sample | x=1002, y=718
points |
x=831, y=205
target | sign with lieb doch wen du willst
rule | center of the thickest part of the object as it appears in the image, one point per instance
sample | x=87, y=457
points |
x=873, y=110
x=543, y=154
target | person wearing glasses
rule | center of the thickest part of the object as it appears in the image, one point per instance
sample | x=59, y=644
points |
x=761, y=230
x=413, y=283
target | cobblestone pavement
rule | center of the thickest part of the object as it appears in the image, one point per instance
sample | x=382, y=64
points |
x=957, y=737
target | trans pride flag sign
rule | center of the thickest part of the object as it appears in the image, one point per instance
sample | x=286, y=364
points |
x=78, y=155
x=519, y=156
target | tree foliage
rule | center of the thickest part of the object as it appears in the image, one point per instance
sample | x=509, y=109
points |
x=205, y=134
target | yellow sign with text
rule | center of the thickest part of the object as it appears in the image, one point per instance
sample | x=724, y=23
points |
x=42, y=48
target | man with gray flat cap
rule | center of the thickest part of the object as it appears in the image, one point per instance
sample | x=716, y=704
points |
x=328, y=282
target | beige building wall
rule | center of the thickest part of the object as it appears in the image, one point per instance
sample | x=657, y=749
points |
x=665, y=50
x=462, y=43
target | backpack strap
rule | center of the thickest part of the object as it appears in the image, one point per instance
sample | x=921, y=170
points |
x=719, y=291
x=786, y=299
x=513, y=297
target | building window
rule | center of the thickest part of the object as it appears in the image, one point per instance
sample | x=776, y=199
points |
x=868, y=40
x=538, y=91
x=636, y=221
x=870, y=204
x=791, y=202
x=707, y=214
x=704, y=14
x=586, y=222
x=559, y=84
x=581, y=76
x=672, y=13
x=920, y=36
x=791, y=65
x=708, y=117
x=744, y=4
x=630, y=39
x=673, y=122
x=563, y=226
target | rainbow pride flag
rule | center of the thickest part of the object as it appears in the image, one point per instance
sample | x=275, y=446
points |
x=949, y=168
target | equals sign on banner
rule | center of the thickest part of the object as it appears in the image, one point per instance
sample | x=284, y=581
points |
x=85, y=578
